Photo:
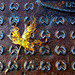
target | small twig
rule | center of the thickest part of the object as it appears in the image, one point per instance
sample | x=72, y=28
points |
x=6, y=70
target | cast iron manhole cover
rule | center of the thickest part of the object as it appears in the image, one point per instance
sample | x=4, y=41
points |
x=50, y=24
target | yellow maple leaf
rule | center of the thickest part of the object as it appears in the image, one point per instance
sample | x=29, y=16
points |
x=24, y=39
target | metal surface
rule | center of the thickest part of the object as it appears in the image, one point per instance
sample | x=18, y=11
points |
x=55, y=26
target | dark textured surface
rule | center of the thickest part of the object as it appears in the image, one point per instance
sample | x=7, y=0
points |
x=47, y=24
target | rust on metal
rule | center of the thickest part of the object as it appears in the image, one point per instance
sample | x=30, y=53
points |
x=55, y=26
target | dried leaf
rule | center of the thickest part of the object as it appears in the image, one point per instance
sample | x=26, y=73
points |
x=24, y=40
